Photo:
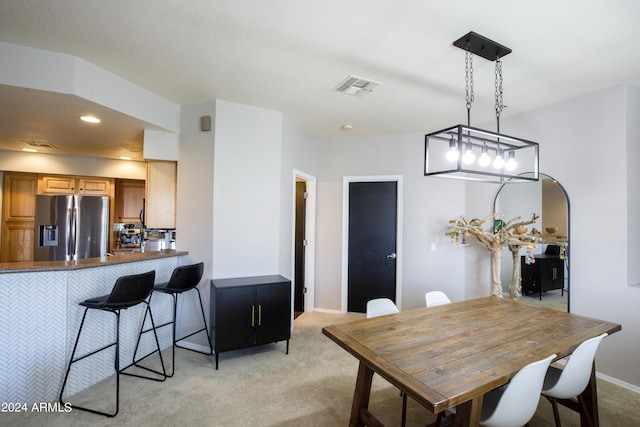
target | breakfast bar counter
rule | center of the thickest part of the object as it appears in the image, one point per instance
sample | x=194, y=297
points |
x=35, y=266
x=40, y=317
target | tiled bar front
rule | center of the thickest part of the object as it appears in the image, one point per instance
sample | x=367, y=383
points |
x=40, y=317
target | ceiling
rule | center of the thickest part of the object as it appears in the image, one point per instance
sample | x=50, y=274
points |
x=289, y=55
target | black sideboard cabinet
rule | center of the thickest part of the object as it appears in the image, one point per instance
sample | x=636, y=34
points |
x=249, y=311
x=546, y=274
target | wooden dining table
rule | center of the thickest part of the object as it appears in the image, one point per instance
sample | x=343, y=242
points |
x=451, y=355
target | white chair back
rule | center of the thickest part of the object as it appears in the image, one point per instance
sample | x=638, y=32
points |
x=573, y=379
x=380, y=307
x=515, y=404
x=435, y=298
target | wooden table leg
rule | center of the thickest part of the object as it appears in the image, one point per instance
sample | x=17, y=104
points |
x=361, y=394
x=468, y=413
x=590, y=398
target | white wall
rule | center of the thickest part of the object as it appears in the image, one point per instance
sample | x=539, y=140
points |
x=194, y=212
x=247, y=190
x=584, y=145
x=633, y=184
x=299, y=153
x=429, y=204
x=18, y=161
x=39, y=69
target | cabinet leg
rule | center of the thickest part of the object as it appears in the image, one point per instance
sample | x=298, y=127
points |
x=287, y=347
x=216, y=360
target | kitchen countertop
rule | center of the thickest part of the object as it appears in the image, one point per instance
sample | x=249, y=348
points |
x=38, y=266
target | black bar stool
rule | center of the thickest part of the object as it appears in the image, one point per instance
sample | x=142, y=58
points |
x=183, y=279
x=127, y=292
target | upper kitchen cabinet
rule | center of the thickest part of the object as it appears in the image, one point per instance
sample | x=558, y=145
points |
x=19, y=202
x=129, y=200
x=160, y=208
x=18, y=216
x=62, y=184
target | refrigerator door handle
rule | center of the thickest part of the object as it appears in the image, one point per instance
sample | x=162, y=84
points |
x=71, y=245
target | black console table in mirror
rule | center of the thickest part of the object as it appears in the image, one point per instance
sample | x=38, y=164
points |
x=545, y=274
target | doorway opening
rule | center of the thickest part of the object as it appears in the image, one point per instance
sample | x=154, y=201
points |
x=303, y=242
x=371, y=240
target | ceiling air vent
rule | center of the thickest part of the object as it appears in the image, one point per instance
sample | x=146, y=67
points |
x=354, y=85
x=39, y=144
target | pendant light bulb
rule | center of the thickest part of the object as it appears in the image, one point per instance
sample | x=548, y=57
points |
x=498, y=162
x=468, y=157
x=453, y=153
x=484, y=159
x=511, y=164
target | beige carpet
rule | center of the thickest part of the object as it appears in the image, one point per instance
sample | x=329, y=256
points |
x=312, y=386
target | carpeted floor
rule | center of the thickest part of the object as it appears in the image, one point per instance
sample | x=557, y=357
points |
x=556, y=299
x=311, y=386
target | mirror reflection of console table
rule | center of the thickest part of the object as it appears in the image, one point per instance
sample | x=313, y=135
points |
x=546, y=274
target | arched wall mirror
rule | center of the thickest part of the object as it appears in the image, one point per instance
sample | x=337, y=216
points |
x=546, y=280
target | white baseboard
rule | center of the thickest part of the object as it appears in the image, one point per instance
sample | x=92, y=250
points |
x=324, y=310
x=618, y=382
x=196, y=347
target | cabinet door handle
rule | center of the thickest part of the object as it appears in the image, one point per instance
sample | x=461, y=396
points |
x=253, y=315
x=259, y=314
x=555, y=273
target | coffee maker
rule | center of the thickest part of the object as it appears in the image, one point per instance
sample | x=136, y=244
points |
x=130, y=236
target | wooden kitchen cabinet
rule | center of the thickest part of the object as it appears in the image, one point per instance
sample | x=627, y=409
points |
x=249, y=311
x=19, y=196
x=129, y=200
x=18, y=238
x=160, y=195
x=18, y=216
x=62, y=184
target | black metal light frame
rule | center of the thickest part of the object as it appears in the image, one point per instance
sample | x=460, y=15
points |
x=464, y=137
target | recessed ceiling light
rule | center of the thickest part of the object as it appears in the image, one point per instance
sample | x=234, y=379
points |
x=346, y=127
x=90, y=119
x=125, y=158
x=30, y=150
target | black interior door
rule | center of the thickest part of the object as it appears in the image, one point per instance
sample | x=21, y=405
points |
x=298, y=301
x=371, y=243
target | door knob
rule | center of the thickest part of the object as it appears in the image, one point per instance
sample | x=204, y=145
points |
x=392, y=255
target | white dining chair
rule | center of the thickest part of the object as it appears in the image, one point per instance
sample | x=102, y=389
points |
x=569, y=383
x=435, y=298
x=514, y=403
x=380, y=307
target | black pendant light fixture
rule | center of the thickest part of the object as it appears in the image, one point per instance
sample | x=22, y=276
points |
x=473, y=154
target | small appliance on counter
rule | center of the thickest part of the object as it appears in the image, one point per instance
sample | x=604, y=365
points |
x=130, y=237
x=158, y=240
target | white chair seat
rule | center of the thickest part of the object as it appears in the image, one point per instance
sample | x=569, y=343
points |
x=515, y=403
x=436, y=298
x=569, y=383
x=380, y=307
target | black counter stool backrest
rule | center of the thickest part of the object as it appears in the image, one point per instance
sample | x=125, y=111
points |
x=184, y=278
x=127, y=292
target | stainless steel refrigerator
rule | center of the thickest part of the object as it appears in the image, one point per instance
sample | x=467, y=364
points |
x=71, y=227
